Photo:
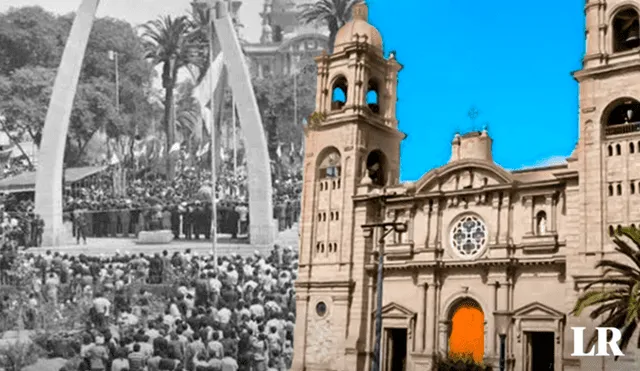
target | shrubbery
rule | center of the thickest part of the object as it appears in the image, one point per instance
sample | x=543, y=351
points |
x=460, y=363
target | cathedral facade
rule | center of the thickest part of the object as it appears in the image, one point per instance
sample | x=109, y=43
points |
x=477, y=240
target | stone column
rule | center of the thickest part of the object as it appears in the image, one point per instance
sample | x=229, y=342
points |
x=532, y=205
x=430, y=319
x=443, y=333
x=495, y=212
x=420, y=330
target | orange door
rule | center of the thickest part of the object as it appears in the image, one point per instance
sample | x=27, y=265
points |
x=467, y=333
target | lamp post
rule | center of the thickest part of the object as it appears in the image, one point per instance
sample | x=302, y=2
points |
x=502, y=320
x=385, y=228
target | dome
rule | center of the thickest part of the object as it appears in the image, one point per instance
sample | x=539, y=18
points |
x=358, y=29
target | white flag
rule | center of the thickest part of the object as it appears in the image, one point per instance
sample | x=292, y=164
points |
x=279, y=150
x=114, y=159
x=202, y=151
x=292, y=150
x=175, y=147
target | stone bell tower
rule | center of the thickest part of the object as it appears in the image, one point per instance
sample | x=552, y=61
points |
x=352, y=143
x=607, y=156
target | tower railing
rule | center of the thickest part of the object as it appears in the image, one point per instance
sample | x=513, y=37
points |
x=629, y=127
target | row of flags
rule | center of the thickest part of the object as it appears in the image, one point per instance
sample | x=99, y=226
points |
x=154, y=149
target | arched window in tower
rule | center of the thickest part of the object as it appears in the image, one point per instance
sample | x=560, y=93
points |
x=610, y=190
x=541, y=223
x=618, y=150
x=612, y=232
x=632, y=148
x=622, y=116
x=632, y=188
x=376, y=167
x=330, y=165
x=610, y=150
x=339, y=93
x=373, y=98
x=626, y=34
x=619, y=189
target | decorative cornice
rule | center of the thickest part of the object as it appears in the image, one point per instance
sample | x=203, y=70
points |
x=443, y=265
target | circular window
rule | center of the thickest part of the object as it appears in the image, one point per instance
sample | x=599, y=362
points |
x=321, y=309
x=468, y=236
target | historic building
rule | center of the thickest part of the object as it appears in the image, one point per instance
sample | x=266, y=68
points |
x=479, y=240
x=284, y=40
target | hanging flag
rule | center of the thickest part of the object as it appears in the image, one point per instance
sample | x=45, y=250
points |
x=292, y=150
x=222, y=154
x=174, y=148
x=302, y=150
x=203, y=150
x=279, y=150
x=114, y=159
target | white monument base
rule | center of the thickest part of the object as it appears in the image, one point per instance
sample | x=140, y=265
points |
x=68, y=231
x=263, y=235
x=155, y=237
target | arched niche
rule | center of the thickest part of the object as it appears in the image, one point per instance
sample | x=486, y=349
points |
x=467, y=330
x=373, y=96
x=541, y=222
x=376, y=168
x=329, y=164
x=339, y=89
x=625, y=31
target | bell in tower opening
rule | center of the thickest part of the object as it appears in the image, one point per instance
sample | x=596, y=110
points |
x=626, y=31
x=376, y=168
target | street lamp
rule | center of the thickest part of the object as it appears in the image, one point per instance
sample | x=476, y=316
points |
x=385, y=229
x=502, y=320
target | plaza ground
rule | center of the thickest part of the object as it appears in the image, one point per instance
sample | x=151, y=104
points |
x=225, y=245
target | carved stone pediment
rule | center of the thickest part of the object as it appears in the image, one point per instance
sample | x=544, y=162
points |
x=397, y=311
x=537, y=310
x=463, y=175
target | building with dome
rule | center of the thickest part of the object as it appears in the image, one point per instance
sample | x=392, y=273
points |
x=478, y=242
x=284, y=40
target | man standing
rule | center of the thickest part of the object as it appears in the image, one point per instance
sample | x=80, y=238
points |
x=102, y=307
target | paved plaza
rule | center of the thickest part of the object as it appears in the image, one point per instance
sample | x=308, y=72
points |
x=225, y=246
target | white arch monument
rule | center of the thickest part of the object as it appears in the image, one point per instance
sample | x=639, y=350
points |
x=49, y=185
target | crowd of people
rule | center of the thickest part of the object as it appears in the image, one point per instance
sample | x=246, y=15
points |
x=231, y=314
x=150, y=203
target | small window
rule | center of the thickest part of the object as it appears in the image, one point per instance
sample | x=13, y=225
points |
x=619, y=189
x=610, y=190
x=632, y=148
x=618, y=150
x=321, y=309
x=610, y=151
x=337, y=215
x=611, y=231
x=632, y=188
x=619, y=229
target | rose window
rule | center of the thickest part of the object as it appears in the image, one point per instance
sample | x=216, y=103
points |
x=469, y=236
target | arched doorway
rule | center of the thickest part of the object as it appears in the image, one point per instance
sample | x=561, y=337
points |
x=466, y=338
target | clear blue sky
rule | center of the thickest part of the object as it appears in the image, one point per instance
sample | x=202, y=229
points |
x=512, y=60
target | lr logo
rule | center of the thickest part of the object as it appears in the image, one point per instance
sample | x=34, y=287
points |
x=602, y=344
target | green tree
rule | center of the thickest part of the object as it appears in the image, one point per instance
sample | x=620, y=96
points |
x=333, y=13
x=615, y=297
x=169, y=43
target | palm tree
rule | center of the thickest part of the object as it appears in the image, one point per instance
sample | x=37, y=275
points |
x=616, y=295
x=334, y=13
x=169, y=41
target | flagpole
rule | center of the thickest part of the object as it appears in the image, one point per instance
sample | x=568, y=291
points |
x=214, y=219
x=235, y=145
x=295, y=92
